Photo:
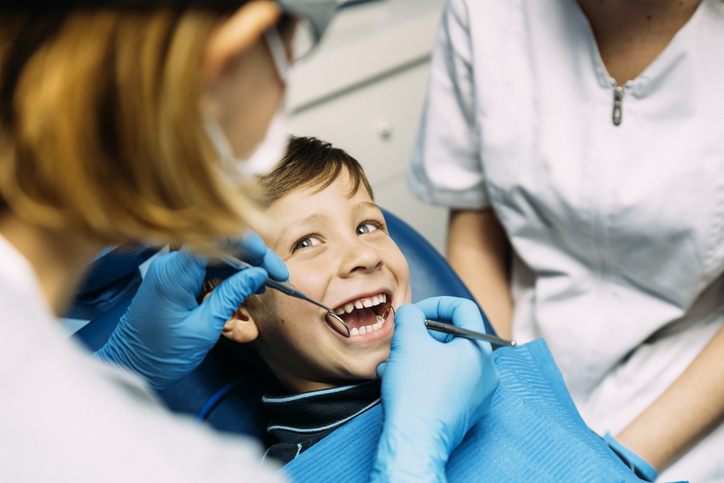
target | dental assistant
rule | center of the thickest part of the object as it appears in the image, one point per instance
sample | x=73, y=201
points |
x=126, y=120
x=579, y=147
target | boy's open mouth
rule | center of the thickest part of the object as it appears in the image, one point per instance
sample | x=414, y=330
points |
x=364, y=315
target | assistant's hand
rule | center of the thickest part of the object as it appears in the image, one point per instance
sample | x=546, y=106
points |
x=434, y=389
x=165, y=334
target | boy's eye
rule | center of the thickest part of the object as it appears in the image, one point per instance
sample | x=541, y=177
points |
x=306, y=242
x=366, y=228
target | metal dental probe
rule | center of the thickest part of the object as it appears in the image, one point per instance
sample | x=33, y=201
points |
x=291, y=290
x=469, y=334
x=460, y=332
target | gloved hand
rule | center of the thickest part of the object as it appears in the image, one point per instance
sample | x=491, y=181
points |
x=165, y=334
x=434, y=389
x=638, y=465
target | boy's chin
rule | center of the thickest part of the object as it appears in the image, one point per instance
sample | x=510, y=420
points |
x=368, y=371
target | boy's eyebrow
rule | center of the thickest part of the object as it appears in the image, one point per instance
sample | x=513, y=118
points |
x=367, y=204
x=311, y=218
x=319, y=217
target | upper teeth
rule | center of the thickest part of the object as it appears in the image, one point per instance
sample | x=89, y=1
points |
x=361, y=303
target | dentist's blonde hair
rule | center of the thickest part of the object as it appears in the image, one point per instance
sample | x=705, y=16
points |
x=100, y=126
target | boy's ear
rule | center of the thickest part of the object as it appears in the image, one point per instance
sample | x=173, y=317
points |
x=241, y=327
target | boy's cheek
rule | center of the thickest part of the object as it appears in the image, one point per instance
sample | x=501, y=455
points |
x=371, y=370
x=309, y=281
x=401, y=270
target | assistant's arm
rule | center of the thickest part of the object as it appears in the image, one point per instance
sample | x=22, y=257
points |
x=691, y=407
x=479, y=251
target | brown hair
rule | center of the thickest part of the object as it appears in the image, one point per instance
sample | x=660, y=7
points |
x=311, y=162
x=100, y=126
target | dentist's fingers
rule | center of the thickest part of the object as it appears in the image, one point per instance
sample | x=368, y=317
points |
x=421, y=426
x=252, y=249
x=177, y=277
x=460, y=312
x=225, y=299
x=409, y=332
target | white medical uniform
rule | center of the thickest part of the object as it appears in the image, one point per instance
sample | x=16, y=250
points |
x=618, y=231
x=66, y=417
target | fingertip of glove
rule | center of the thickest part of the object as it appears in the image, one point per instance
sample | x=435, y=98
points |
x=275, y=266
x=409, y=310
x=255, y=275
x=409, y=316
x=252, y=247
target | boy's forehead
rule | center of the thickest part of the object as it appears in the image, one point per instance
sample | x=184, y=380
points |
x=341, y=189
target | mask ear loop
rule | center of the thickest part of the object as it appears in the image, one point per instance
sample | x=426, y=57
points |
x=278, y=53
x=219, y=139
x=230, y=166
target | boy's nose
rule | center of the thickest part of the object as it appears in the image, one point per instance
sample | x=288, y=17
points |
x=360, y=258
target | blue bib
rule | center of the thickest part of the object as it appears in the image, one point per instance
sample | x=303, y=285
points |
x=533, y=433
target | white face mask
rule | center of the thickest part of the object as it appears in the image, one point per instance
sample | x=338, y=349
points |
x=271, y=150
x=267, y=154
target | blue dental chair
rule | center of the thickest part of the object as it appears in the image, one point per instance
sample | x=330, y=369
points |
x=223, y=390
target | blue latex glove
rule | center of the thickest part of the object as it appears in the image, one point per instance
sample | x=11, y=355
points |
x=434, y=389
x=638, y=465
x=165, y=334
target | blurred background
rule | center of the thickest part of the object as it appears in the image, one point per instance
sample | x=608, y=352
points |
x=363, y=90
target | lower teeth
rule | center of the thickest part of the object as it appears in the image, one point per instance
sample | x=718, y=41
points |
x=368, y=329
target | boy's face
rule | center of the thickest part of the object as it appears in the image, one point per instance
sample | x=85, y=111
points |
x=338, y=252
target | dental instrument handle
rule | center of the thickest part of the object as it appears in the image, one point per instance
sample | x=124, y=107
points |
x=469, y=334
x=284, y=287
x=289, y=289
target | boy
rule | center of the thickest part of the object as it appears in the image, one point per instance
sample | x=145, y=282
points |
x=335, y=243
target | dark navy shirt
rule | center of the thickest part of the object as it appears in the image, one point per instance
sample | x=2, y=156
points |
x=297, y=422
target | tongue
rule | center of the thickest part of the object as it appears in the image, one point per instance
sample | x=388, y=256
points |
x=359, y=318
